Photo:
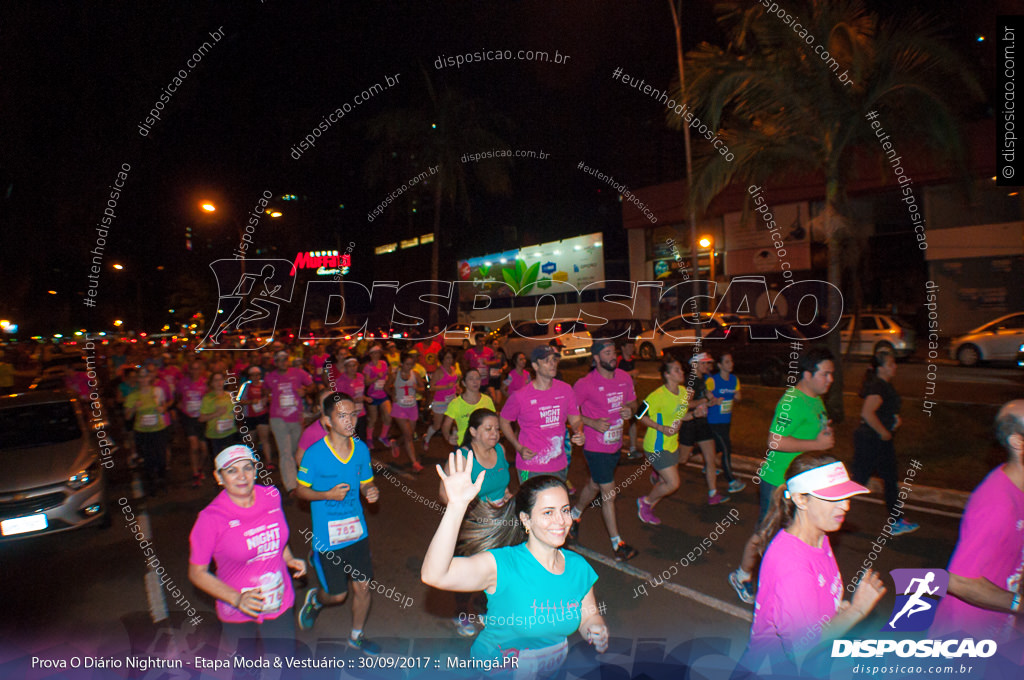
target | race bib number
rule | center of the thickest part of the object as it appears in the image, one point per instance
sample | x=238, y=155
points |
x=272, y=590
x=406, y=401
x=495, y=372
x=287, y=400
x=257, y=407
x=726, y=407
x=379, y=384
x=225, y=424
x=192, y=406
x=613, y=435
x=149, y=420
x=344, y=530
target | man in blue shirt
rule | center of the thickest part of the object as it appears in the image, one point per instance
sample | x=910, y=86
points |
x=341, y=553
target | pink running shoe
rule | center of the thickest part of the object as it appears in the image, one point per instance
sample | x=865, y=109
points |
x=645, y=512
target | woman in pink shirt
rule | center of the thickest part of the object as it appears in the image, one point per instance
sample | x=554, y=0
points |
x=518, y=376
x=800, y=592
x=243, y=530
x=376, y=374
x=352, y=383
x=444, y=381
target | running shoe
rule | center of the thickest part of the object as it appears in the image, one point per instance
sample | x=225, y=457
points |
x=624, y=552
x=735, y=486
x=464, y=627
x=309, y=611
x=902, y=526
x=744, y=589
x=367, y=647
x=417, y=467
x=646, y=512
x=634, y=455
x=395, y=452
x=385, y=441
x=574, y=531
x=717, y=498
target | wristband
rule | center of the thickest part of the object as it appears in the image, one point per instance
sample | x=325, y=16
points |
x=1015, y=605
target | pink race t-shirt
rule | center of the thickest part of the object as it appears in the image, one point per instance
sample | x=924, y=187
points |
x=248, y=546
x=991, y=545
x=798, y=591
x=542, y=415
x=191, y=392
x=518, y=379
x=286, y=393
x=478, y=358
x=376, y=375
x=313, y=433
x=600, y=397
x=353, y=387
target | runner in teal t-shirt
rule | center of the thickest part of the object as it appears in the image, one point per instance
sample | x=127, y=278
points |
x=538, y=593
x=800, y=424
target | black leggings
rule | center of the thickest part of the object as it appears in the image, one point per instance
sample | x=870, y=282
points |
x=723, y=444
x=251, y=640
x=152, y=447
x=872, y=455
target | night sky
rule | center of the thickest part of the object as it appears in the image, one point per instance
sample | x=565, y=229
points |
x=78, y=79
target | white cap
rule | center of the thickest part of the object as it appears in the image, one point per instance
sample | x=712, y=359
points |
x=828, y=482
x=233, y=454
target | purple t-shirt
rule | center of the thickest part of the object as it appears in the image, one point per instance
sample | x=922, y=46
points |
x=286, y=393
x=798, y=591
x=311, y=435
x=991, y=545
x=248, y=546
x=542, y=415
x=601, y=397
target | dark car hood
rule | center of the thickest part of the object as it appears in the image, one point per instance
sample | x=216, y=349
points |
x=37, y=466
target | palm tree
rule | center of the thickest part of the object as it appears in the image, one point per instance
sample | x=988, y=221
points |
x=439, y=135
x=784, y=111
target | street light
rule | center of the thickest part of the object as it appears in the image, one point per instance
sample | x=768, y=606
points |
x=709, y=243
x=208, y=207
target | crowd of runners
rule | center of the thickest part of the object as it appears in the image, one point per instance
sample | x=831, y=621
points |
x=315, y=413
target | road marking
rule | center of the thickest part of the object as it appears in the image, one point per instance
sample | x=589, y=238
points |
x=154, y=589
x=682, y=591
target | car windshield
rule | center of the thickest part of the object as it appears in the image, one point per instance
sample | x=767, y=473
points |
x=38, y=425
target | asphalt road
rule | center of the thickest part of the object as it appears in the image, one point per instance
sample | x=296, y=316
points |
x=85, y=591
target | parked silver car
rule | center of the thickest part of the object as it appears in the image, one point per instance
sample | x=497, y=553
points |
x=53, y=477
x=997, y=340
x=877, y=332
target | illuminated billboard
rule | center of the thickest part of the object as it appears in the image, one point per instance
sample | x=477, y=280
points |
x=578, y=261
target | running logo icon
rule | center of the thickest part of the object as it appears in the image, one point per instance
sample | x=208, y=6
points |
x=918, y=592
x=249, y=299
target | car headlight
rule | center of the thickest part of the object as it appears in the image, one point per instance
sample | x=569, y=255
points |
x=85, y=476
x=1021, y=348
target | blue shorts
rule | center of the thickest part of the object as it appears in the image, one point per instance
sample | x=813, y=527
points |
x=602, y=466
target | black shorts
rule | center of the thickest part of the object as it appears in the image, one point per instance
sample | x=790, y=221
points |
x=193, y=428
x=252, y=421
x=335, y=567
x=602, y=466
x=696, y=430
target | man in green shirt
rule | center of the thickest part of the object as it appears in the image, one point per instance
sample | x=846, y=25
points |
x=800, y=424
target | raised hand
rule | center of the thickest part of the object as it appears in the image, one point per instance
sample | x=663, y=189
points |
x=458, y=482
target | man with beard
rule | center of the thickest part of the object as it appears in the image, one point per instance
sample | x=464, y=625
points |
x=607, y=402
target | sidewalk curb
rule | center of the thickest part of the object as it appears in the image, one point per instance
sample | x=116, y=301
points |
x=949, y=498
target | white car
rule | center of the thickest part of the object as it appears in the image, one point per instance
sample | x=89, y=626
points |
x=678, y=330
x=571, y=336
x=997, y=340
x=463, y=335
